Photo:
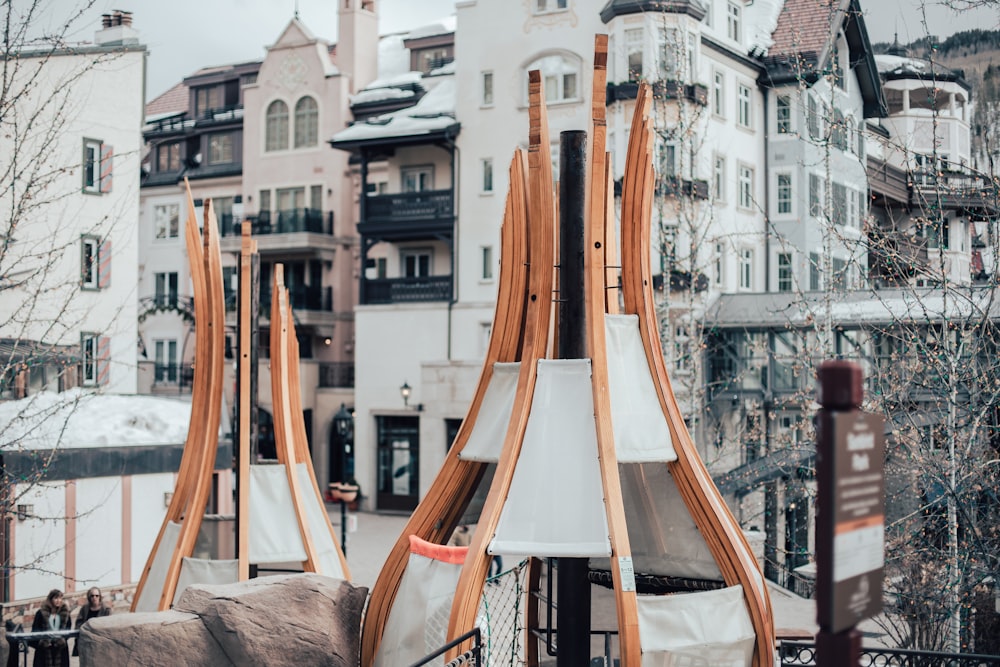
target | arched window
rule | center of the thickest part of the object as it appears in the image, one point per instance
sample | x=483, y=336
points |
x=276, y=126
x=561, y=75
x=306, y=122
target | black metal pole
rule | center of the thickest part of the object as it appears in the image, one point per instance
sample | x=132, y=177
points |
x=343, y=525
x=573, y=586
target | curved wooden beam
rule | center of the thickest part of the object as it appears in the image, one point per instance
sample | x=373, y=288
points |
x=212, y=407
x=541, y=226
x=456, y=482
x=186, y=472
x=703, y=500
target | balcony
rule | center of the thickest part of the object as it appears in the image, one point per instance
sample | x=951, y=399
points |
x=296, y=229
x=406, y=290
x=302, y=298
x=673, y=186
x=337, y=375
x=662, y=90
x=894, y=255
x=887, y=182
x=409, y=215
x=971, y=192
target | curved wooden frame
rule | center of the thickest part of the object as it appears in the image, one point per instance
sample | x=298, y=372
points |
x=541, y=247
x=456, y=482
x=722, y=534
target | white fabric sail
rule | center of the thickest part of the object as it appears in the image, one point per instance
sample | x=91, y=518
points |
x=640, y=427
x=274, y=533
x=204, y=571
x=149, y=598
x=555, y=506
x=418, y=622
x=490, y=428
x=705, y=628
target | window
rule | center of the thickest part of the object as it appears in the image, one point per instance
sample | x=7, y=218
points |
x=560, y=75
x=166, y=290
x=264, y=202
x=853, y=219
x=814, y=272
x=206, y=99
x=839, y=269
x=168, y=157
x=733, y=22
x=861, y=140
x=838, y=133
x=815, y=196
x=836, y=66
x=668, y=52
x=746, y=187
x=487, y=79
x=784, y=112
x=839, y=203
x=416, y=263
x=290, y=201
x=784, y=194
x=784, y=272
x=743, y=109
x=543, y=6
x=487, y=262
x=276, y=126
x=720, y=259
x=220, y=148
x=166, y=361
x=634, y=46
x=668, y=160
x=487, y=169
x=719, y=179
x=746, y=269
x=719, y=94
x=97, y=163
x=813, y=118
x=417, y=179
x=95, y=357
x=166, y=221
x=306, y=122
x=95, y=263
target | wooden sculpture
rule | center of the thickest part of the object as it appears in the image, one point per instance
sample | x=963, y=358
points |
x=295, y=481
x=635, y=479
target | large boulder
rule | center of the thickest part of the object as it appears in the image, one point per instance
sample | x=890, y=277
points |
x=294, y=620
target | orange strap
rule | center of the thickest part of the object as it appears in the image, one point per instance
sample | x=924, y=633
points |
x=440, y=552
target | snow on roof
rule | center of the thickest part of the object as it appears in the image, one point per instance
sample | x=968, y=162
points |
x=444, y=69
x=434, y=111
x=81, y=419
x=379, y=94
x=393, y=57
x=887, y=63
x=396, y=79
x=761, y=19
x=442, y=26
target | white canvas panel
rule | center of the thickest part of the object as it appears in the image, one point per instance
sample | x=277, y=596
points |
x=640, y=427
x=274, y=532
x=486, y=439
x=318, y=521
x=203, y=571
x=39, y=539
x=149, y=599
x=148, y=512
x=705, y=628
x=555, y=506
x=418, y=621
x=664, y=538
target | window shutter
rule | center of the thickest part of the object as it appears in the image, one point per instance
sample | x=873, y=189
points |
x=104, y=264
x=103, y=360
x=106, y=153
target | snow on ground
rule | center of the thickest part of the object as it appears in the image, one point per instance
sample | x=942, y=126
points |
x=79, y=418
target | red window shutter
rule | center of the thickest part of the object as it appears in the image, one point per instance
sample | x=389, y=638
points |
x=103, y=360
x=106, y=154
x=104, y=264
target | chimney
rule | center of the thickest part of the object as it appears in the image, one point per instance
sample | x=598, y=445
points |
x=116, y=30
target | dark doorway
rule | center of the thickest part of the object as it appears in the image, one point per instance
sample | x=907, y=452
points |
x=398, y=463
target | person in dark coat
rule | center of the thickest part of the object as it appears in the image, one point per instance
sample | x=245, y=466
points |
x=95, y=607
x=54, y=615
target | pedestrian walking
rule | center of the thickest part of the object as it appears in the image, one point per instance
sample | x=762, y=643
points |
x=94, y=608
x=54, y=615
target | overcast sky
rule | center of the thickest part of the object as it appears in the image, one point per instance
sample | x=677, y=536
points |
x=185, y=35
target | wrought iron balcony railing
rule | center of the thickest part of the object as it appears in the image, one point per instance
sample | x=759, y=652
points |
x=403, y=290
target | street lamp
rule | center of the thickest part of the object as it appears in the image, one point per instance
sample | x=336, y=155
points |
x=405, y=391
x=343, y=424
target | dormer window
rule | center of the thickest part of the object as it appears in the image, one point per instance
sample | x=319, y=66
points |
x=545, y=6
x=206, y=100
x=734, y=22
x=561, y=74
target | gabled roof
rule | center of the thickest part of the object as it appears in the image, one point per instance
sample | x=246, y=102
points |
x=804, y=41
x=173, y=101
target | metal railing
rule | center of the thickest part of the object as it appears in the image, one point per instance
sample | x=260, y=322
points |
x=19, y=641
x=336, y=374
x=287, y=221
x=804, y=653
x=429, y=204
x=472, y=656
x=302, y=298
x=402, y=290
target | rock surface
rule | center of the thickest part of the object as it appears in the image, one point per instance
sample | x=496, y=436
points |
x=293, y=620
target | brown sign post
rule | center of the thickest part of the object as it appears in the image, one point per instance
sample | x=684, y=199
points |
x=850, y=513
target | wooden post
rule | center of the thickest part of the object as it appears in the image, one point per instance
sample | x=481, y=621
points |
x=246, y=404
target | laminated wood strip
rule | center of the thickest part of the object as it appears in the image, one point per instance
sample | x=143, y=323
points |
x=244, y=327
x=709, y=511
x=186, y=472
x=541, y=229
x=212, y=408
x=456, y=482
